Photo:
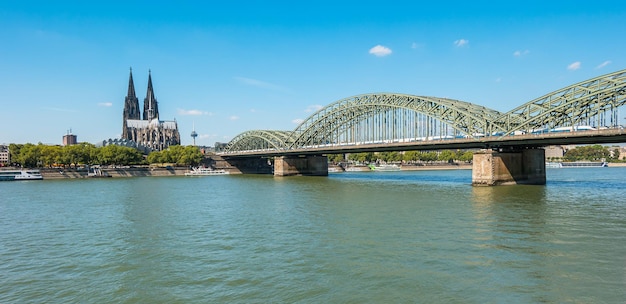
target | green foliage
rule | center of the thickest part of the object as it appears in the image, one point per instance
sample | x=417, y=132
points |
x=363, y=157
x=588, y=153
x=446, y=155
x=466, y=156
x=393, y=156
x=429, y=156
x=29, y=155
x=335, y=158
x=411, y=156
x=181, y=155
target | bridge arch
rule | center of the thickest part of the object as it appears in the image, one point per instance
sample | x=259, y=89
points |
x=593, y=102
x=259, y=140
x=397, y=116
x=383, y=117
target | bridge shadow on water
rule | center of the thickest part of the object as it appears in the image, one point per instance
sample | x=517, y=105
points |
x=457, y=177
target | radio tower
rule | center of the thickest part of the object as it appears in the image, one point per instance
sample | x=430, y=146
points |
x=194, y=134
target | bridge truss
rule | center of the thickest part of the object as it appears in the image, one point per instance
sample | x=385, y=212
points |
x=390, y=118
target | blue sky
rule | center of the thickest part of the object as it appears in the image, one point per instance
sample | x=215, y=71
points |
x=233, y=66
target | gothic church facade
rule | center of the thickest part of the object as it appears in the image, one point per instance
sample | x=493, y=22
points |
x=148, y=131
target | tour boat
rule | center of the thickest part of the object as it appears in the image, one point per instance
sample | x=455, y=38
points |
x=10, y=175
x=584, y=164
x=392, y=167
x=201, y=171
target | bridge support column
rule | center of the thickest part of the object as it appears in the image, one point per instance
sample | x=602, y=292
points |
x=313, y=165
x=493, y=168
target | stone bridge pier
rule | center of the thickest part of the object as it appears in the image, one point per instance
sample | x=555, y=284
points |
x=311, y=165
x=493, y=168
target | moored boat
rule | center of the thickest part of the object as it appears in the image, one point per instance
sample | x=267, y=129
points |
x=11, y=175
x=385, y=167
x=202, y=171
x=584, y=164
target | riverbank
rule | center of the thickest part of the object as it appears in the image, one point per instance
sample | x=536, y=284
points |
x=56, y=173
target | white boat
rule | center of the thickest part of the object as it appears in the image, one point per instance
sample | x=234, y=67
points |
x=578, y=164
x=584, y=164
x=392, y=167
x=202, y=171
x=10, y=175
x=553, y=165
x=357, y=168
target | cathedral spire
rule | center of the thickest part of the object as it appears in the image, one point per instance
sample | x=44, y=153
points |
x=131, y=85
x=131, y=105
x=150, y=105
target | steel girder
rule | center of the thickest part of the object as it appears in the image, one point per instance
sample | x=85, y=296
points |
x=259, y=140
x=568, y=106
x=465, y=117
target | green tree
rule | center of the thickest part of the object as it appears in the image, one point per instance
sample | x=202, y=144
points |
x=181, y=155
x=429, y=156
x=362, y=157
x=588, y=153
x=14, y=152
x=411, y=156
x=28, y=155
x=335, y=158
x=467, y=156
x=50, y=155
x=446, y=155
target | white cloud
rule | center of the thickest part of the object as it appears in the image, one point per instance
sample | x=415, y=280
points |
x=461, y=42
x=234, y=117
x=297, y=121
x=260, y=84
x=313, y=108
x=105, y=104
x=574, y=66
x=520, y=53
x=192, y=112
x=604, y=64
x=380, y=51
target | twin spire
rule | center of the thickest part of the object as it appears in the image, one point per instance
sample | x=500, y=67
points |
x=131, y=104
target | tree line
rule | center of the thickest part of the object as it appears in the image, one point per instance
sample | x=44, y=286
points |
x=407, y=157
x=591, y=153
x=40, y=155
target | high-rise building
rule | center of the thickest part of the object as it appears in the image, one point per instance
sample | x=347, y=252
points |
x=5, y=155
x=69, y=138
x=149, y=131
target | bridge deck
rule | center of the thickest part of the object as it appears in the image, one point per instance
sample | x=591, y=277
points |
x=605, y=136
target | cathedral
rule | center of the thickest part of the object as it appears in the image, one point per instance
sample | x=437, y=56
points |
x=149, y=132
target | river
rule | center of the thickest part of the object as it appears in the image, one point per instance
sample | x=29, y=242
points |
x=386, y=237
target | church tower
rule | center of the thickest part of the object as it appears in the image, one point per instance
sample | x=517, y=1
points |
x=150, y=105
x=131, y=106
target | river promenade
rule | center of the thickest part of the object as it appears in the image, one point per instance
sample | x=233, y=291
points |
x=60, y=173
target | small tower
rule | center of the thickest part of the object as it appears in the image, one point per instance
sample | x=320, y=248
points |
x=194, y=134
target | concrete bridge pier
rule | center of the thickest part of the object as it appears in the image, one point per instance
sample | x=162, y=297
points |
x=311, y=165
x=493, y=168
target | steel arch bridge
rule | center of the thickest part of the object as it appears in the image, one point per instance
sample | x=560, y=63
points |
x=390, y=118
